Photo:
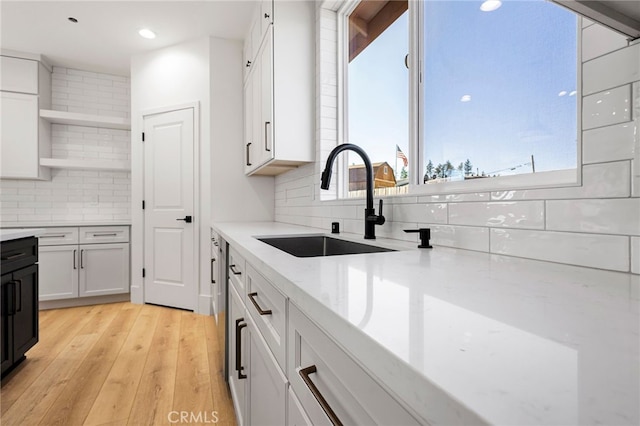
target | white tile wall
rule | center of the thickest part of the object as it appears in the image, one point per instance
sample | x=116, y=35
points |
x=78, y=195
x=592, y=224
x=599, y=40
x=607, y=107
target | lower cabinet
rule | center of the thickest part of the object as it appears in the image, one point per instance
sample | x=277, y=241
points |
x=331, y=387
x=82, y=270
x=19, y=303
x=258, y=385
x=284, y=370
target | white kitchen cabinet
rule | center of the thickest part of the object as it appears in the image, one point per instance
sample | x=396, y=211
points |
x=280, y=110
x=104, y=269
x=18, y=75
x=25, y=88
x=237, y=355
x=71, y=268
x=295, y=413
x=58, y=272
x=319, y=370
x=268, y=309
x=256, y=379
x=267, y=383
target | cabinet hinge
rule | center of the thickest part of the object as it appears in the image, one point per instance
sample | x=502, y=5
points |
x=143, y=272
x=142, y=136
x=142, y=204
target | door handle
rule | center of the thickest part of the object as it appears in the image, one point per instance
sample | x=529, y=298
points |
x=213, y=281
x=74, y=259
x=239, y=367
x=81, y=259
x=11, y=299
x=304, y=374
x=266, y=136
x=261, y=311
x=187, y=219
x=248, y=161
x=17, y=296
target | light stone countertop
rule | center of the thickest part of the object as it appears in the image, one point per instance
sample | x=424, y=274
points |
x=466, y=337
x=14, y=234
x=62, y=224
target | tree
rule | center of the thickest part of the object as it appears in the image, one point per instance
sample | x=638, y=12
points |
x=403, y=173
x=460, y=166
x=438, y=170
x=429, y=169
x=468, y=167
x=448, y=167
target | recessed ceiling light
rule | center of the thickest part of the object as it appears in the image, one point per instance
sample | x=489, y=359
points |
x=147, y=33
x=490, y=5
x=72, y=19
x=465, y=98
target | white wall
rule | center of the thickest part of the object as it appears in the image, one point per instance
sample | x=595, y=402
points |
x=78, y=195
x=596, y=224
x=207, y=71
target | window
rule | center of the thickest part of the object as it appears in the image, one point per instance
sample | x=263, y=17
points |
x=496, y=86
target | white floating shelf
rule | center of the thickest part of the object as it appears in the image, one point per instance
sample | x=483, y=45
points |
x=84, y=164
x=89, y=120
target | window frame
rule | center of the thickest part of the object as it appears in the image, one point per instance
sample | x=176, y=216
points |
x=539, y=180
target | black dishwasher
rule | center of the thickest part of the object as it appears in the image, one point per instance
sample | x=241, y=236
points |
x=19, y=304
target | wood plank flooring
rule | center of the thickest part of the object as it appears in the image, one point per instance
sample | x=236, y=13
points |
x=119, y=364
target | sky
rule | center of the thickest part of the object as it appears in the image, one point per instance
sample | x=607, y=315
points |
x=515, y=68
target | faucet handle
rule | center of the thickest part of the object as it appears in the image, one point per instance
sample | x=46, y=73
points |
x=380, y=208
x=425, y=236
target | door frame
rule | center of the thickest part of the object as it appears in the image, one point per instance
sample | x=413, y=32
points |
x=195, y=106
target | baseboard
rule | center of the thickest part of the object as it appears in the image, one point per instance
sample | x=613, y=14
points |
x=83, y=301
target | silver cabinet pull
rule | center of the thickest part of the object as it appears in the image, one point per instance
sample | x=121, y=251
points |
x=51, y=236
x=111, y=234
x=304, y=373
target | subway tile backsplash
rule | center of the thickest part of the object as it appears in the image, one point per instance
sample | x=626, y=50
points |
x=594, y=224
x=78, y=195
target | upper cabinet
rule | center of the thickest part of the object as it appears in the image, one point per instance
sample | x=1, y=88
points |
x=279, y=90
x=25, y=88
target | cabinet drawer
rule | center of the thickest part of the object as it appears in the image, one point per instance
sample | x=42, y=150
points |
x=104, y=234
x=18, y=75
x=268, y=308
x=237, y=272
x=351, y=394
x=58, y=236
x=18, y=253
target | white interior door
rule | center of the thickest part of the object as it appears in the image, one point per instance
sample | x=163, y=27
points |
x=170, y=260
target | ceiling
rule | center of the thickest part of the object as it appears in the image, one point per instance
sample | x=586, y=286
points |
x=106, y=35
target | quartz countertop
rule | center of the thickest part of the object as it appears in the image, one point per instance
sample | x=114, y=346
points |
x=14, y=234
x=465, y=337
x=62, y=223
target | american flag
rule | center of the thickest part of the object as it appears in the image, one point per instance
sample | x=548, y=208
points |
x=400, y=154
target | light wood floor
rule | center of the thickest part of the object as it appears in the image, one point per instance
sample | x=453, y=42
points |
x=119, y=364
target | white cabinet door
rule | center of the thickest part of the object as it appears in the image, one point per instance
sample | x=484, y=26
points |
x=19, y=140
x=18, y=75
x=104, y=269
x=58, y=272
x=267, y=148
x=249, y=145
x=267, y=383
x=295, y=413
x=237, y=355
x=266, y=15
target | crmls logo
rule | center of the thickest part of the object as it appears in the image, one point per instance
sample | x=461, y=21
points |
x=193, y=417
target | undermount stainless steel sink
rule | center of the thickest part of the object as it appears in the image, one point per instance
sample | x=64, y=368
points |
x=319, y=245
